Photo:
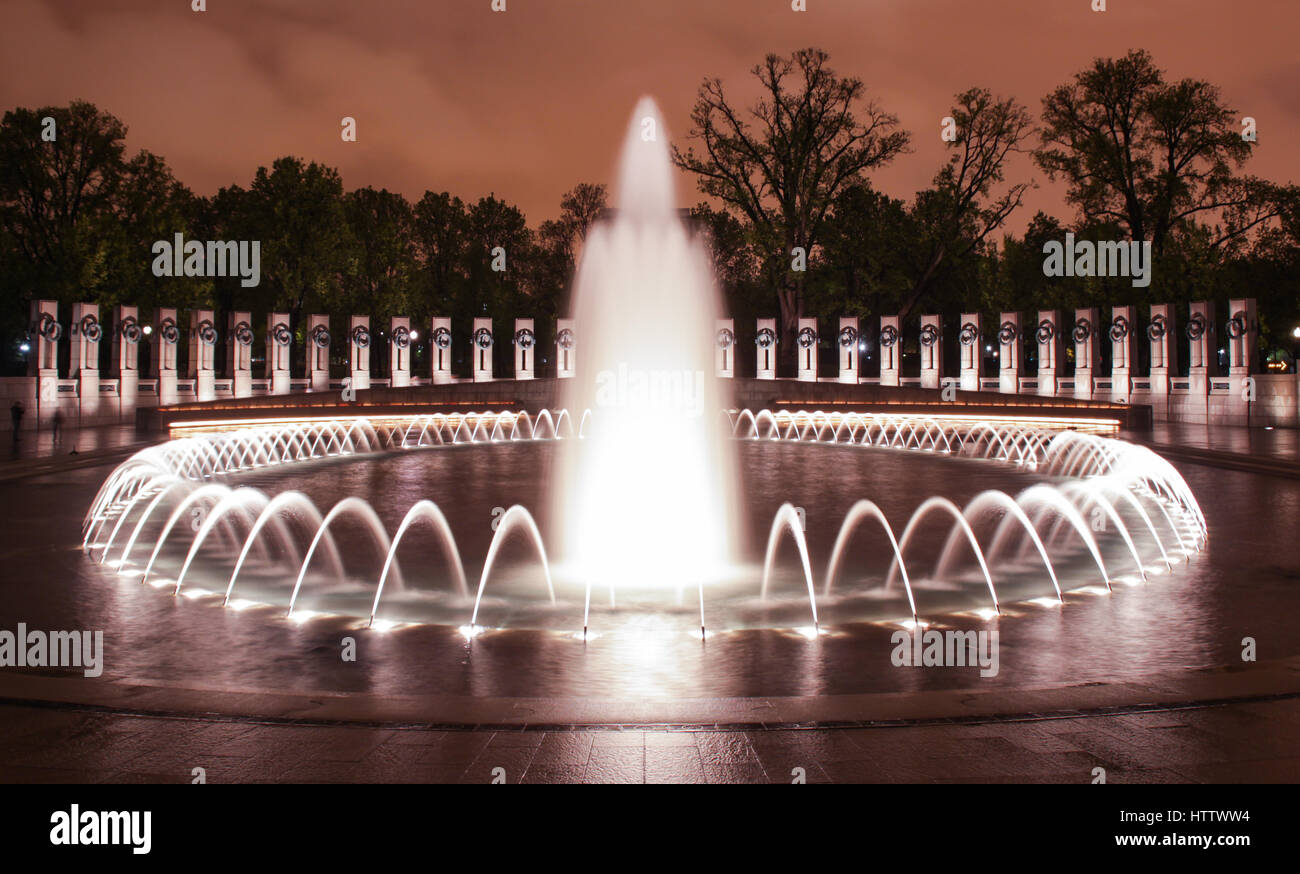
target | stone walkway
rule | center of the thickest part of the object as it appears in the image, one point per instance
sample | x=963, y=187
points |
x=1255, y=742
x=36, y=452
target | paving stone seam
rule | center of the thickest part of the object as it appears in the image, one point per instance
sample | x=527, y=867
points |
x=820, y=725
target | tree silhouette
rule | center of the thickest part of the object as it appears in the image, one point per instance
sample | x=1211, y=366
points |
x=783, y=171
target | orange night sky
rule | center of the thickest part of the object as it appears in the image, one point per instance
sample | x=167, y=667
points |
x=526, y=103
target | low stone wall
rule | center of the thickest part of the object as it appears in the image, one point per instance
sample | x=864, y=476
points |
x=1268, y=400
x=539, y=394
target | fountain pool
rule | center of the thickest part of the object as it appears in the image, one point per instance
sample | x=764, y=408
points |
x=638, y=515
x=920, y=518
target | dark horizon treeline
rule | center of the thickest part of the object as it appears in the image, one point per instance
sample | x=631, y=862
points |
x=78, y=217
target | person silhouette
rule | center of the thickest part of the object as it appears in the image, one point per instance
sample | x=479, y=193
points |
x=57, y=426
x=16, y=413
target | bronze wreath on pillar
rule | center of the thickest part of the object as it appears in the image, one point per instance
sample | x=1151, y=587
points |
x=90, y=329
x=1236, y=328
x=129, y=329
x=1046, y=332
x=169, y=332
x=206, y=332
x=49, y=328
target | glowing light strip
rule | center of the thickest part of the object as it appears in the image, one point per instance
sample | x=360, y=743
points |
x=227, y=424
x=1048, y=421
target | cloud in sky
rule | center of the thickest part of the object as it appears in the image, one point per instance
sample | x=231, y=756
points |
x=526, y=103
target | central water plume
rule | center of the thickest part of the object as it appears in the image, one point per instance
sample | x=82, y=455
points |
x=646, y=498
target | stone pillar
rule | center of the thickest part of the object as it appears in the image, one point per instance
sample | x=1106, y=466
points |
x=86, y=334
x=806, y=339
x=1243, y=336
x=1242, y=332
x=440, y=350
x=482, y=347
x=279, y=347
x=202, y=367
x=525, y=349
x=43, y=357
x=1164, y=352
x=566, y=348
x=239, y=353
x=1011, y=354
x=83, y=365
x=1202, y=360
x=1086, y=351
x=849, y=344
x=399, y=352
x=1050, y=352
x=931, y=339
x=1122, y=357
x=765, y=349
x=359, y=340
x=127, y=334
x=890, y=350
x=165, y=362
x=318, y=352
x=970, y=339
x=724, y=351
x=46, y=333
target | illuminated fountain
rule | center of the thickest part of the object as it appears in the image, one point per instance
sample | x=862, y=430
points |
x=1109, y=511
x=646, y=498
x=643, y=508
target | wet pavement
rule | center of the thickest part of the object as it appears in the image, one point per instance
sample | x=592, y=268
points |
x=1253, y=742
x=1159, y=634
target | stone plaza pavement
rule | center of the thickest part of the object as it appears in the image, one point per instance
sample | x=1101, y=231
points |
x=1235, y=743
x=47, y=735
